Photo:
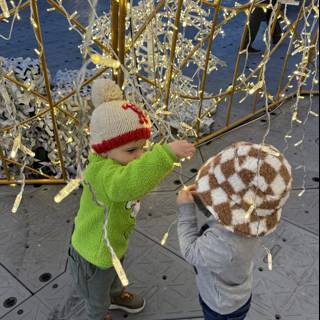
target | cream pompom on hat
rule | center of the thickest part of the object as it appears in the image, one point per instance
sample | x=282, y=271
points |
x=115, y=122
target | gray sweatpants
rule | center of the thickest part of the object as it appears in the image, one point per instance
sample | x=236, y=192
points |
x=95, y=285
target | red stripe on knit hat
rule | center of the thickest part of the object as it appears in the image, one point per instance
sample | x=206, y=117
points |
x=107, y=145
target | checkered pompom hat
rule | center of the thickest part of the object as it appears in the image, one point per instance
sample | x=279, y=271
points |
x=115, y=122
x=242, y=200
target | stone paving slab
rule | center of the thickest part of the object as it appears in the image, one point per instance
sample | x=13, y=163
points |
x=164, y=279
x=304, y=212
x=12, y=292
x=32, y=309
x=33, y=241
x=157, y=214
x=291, y=290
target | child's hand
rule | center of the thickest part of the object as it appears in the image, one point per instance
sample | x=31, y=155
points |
x=182, y=148
x=185, y=196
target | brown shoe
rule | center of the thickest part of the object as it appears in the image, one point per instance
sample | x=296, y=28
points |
x=108, y=317
x=128, y=302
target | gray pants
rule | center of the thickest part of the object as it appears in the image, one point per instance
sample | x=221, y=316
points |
x=257, y=16
x=95, y=285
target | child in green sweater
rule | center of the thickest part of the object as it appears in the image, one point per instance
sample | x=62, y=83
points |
x=118, y=175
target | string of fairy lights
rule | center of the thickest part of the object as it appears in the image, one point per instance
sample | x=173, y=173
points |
x=153, y=78
x=301, y=75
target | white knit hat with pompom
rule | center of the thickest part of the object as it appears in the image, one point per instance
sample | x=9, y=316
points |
x=115, y=122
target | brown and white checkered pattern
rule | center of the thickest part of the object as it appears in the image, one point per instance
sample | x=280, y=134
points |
x=242, y=200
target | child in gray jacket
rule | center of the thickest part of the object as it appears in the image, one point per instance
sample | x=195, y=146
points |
x=242, y=191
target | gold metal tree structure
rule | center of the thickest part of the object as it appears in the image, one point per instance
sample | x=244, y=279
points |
x=121, y=48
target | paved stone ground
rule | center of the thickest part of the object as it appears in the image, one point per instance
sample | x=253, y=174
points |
x=34, y=284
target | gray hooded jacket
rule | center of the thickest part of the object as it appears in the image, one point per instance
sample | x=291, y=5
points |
x=223, y=261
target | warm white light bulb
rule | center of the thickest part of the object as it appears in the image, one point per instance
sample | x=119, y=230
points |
x=27, y=151
x=17, y=202
x=249, y=212
x=120, y=271
x=105, y=61
x=4, y=8
x=269, y=150
x=165, y=238
x=70, y=187
x=16, y=146
x=270, y=261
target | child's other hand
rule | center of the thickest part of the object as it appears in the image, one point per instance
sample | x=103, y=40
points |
x=182, y=148
x=185, y=196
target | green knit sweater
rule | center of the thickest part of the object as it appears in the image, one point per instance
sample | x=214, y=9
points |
x=115, y=185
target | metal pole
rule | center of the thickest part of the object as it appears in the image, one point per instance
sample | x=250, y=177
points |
x=235, y=75
x=33, y=181
x=173, y=53
x=4, y=164
x=42, y=57
x=122, y=38
x=204, y=74
x=114, y=31
x=29, y=168
x=12, y=11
